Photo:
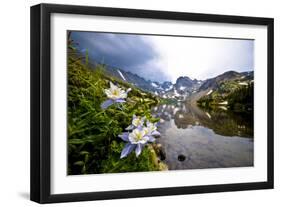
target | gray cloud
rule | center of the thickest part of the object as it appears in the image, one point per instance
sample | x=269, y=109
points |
x=164, y=58
x=128, y=52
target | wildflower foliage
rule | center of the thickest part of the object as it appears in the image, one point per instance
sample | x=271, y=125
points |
x=93, y=126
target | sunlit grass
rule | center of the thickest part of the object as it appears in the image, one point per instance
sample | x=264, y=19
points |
x=93, y=143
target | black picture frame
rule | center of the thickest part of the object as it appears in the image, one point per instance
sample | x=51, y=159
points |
x=41, y=96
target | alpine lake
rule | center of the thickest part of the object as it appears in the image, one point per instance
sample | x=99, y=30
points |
x=196, y=138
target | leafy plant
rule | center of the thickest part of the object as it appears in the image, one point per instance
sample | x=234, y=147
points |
x=93, y=142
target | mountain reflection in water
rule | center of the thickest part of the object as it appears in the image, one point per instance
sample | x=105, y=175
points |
x=192, y=138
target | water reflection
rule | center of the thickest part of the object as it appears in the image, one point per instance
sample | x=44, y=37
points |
x=192, y=138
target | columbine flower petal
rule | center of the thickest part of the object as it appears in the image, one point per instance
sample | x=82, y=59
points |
x=138, y=149
x=124, y=136
x=122, y=94
x=107, y=103
x=144, y=140
x=151, y=139
x=130, y=127
x=107, y=92
x=120, y=101
x=155, y=133
x=127, y=150
x=112, y=86
x=151, y=127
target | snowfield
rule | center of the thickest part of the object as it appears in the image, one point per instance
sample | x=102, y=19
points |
x=122, y=76
x=154, y=85
x=210, y=91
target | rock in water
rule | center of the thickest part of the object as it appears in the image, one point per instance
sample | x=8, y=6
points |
x=162, y=154
x=181, y=158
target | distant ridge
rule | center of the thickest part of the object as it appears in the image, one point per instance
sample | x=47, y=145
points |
x=182, y=89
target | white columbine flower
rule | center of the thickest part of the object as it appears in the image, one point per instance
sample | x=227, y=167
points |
x=138, y=136
x=136, y=122
x=150, y=127
x=151, y=131
x=115, y=92
x=136, y=140
x=114, y=95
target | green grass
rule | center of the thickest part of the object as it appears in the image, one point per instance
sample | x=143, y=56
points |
x=239, y=98
x=93, y=143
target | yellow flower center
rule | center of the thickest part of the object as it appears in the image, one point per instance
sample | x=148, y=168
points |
x=146, y=130
x=138, y=136
x=115, y=92
x=137, y=122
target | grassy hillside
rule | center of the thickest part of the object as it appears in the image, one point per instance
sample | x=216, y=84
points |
x=93, y=142
x=232, y=95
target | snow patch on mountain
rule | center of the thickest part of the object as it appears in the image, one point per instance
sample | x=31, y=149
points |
x=169, y=88
x=243, y=83
x=154, y=85
x=176, y=92
x=210, y=91
x=122, y=76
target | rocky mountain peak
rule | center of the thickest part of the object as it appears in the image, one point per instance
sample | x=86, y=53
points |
x=184, y=81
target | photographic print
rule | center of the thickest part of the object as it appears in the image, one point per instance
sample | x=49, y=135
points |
x=130, y=103
x=142, y=102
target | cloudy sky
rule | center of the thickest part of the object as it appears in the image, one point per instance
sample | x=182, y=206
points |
x=165, y=58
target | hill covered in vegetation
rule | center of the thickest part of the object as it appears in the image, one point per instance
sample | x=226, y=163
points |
x=231, y=90
x=93, y=142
